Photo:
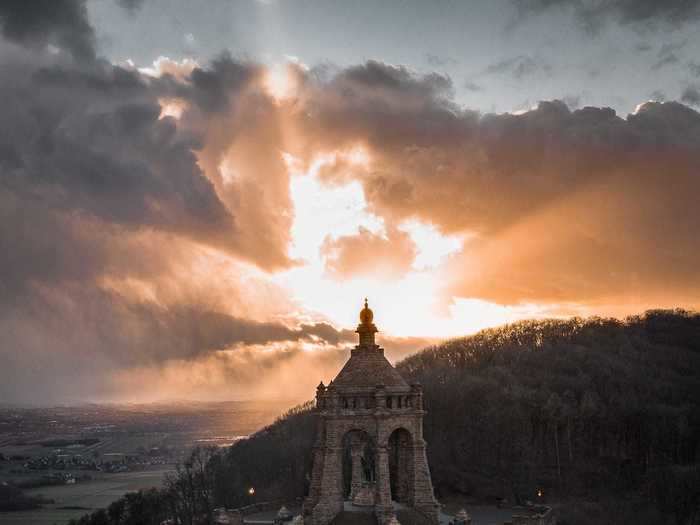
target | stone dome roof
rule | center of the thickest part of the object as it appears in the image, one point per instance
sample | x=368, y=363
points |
x=368, y=368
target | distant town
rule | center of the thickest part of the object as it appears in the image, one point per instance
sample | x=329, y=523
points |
x=58, y=462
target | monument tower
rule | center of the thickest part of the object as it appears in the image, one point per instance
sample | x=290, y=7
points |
x=369, y=450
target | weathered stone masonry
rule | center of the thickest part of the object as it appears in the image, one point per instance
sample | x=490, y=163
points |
x=370, y=401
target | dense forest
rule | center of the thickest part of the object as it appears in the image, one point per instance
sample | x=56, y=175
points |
x=601, y=415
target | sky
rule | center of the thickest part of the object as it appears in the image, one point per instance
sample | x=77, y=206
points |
x=196, y=197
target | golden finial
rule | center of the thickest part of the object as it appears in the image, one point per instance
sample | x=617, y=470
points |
x=366, y=315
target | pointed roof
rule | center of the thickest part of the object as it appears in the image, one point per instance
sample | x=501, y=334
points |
x=367, y=366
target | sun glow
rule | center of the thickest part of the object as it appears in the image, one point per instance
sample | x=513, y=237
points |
x=413, y=304
x=279, y=82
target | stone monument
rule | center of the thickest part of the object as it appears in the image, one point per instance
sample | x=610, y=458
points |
x=370, y=436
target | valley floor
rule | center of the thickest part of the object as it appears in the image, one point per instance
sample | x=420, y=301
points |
x=72, y=501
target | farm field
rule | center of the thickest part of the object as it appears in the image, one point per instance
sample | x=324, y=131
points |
x=83, y=497
x=85, y=457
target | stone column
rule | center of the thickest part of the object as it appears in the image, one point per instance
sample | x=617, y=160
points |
x=318, y=455
x=380, y=398
x=423, y=497
x=383, y=507
x=417, y=396
x=330, y=501
x=356, y=449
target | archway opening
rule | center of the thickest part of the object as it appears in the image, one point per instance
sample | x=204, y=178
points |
x=359, y=467
x=400, y=448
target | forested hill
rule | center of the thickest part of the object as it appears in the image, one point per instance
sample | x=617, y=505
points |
x=568, y=406
x=578, y=408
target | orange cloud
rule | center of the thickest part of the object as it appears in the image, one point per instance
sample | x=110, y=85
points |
x=559, y=205
x=369, y=254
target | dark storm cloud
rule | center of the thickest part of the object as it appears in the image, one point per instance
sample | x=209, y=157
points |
x=325, y=332
x=71, y=342
x=377, y=75
x=90, y=140
x=88, y=169
x=128, y=332
x=593, y=15
x=62, y=23
x=212, y=88
x=103, y=201
x=190, y=332
x=563, y=205
x=368, y=95
x=694, y=69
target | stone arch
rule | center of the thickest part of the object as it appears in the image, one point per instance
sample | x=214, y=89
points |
x=359, y=462
x=401, y=462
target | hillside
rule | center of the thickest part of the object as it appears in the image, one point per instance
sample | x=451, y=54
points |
x=584, y=409
x=567, y=406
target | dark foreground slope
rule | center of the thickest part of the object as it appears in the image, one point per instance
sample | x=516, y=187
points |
x=585, y=409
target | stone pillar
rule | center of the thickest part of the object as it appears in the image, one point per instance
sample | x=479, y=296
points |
x=383, y=507
x=330, y=501
x=380, y=398
x=356, y=449
x=317, y=454
x=404, y=470
x=332, y=401
x=310, y=502
x=423, y=497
